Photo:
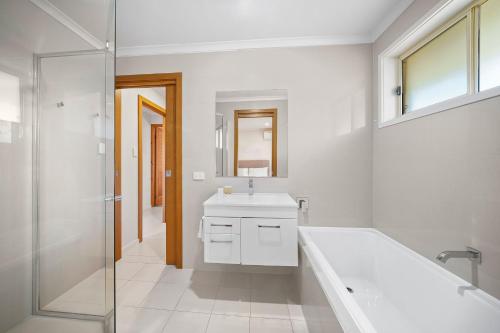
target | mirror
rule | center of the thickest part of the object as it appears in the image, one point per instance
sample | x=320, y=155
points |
x=251, y=133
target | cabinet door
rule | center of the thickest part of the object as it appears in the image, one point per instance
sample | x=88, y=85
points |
x=222, y=248
x=270, y=242
x=222, y=225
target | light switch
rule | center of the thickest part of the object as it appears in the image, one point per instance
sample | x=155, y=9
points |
x=102, y=148
x=134, y=152
x=198, y=175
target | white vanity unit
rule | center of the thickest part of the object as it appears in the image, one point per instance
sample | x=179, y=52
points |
x=258, y=229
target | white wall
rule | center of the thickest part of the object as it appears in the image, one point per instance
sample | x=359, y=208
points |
x=437, y=178
x=329, y=98
x=130, y=163
x=15, y=201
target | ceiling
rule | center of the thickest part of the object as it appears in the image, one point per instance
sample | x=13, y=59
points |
x=173, y=26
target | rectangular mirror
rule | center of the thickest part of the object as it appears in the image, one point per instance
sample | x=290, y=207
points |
x=251, y=133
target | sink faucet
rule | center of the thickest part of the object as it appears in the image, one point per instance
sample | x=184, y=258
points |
x=471, y=253
x=250, y=186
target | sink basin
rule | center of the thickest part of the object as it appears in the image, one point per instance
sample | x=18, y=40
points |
x=256, y=205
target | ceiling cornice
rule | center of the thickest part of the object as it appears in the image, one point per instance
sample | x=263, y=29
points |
x=224, y=46
x=389, y=18
x=68, y=22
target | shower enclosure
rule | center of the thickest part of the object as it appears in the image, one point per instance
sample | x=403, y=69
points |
x=57, y=165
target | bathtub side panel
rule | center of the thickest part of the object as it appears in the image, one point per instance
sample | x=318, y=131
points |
x=318, y=313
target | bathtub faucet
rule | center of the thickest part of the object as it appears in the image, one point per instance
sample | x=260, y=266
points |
x=471, y=253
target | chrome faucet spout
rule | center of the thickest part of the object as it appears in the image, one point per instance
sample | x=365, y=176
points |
x=471, y=254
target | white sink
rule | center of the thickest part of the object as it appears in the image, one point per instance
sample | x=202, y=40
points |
x=257, y=205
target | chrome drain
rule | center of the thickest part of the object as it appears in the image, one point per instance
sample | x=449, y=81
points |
x=349, y=289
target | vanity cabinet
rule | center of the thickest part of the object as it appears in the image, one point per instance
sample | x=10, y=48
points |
x=251, y=230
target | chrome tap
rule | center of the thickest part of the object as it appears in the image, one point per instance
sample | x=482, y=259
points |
x=250, y=186
x=471, y=253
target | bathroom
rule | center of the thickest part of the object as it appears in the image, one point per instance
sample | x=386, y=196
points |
x=374, y=193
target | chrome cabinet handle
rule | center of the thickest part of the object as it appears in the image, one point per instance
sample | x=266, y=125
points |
x=269, y=226
x=221, y=225
x=220, y=241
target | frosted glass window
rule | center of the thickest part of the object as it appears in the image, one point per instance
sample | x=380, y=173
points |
x=437, y=71
x=489, y=45
x=10, y=98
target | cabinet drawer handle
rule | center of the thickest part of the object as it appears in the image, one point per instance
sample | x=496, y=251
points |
x=221, y=225
x=270, y=226
x=220, y=241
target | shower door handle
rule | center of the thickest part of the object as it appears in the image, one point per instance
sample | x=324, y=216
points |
x=113, y=198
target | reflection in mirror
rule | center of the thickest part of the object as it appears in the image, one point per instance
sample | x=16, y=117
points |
x=251, y=133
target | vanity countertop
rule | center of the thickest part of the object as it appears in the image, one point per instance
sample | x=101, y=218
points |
x=264, y=200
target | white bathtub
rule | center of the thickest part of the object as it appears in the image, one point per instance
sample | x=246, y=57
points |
x=395, y=290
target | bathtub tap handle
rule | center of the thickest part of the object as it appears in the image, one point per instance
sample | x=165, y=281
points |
x=471, y=253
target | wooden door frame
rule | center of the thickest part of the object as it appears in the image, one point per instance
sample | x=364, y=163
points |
x=141, y=103
x=258, y=113
x=173, y=151
x=154, y=128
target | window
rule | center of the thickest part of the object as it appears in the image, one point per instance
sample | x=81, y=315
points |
x=438, y=70
x=489, y=45
x=451, y=58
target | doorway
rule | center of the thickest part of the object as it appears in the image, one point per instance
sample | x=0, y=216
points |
x=164, y=183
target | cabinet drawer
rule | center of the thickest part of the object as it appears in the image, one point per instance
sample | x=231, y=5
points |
x=271, y=242
x=222, y=248
x=222, y=225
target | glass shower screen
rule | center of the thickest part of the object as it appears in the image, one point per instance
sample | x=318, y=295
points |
x=75, y=163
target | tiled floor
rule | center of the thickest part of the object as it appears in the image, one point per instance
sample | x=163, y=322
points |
x=87, y=297
x=155, y=298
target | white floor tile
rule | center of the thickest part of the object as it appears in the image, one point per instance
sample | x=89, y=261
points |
x=178, y=276
x=187, y=322
x=208, y=278
x=164, y=296
x=271, y=282
x=198, y=298
x=150, y=272
x=134, y=292
x=236, y=280
x=126, y=270
x=139, y=320
x=264, y=325
x=232, y=301
x=144, y=259
x=295, y=311
x=228, y=324
x=53, y=325
x=269, y=304
x=120, y=283
x=301, y=326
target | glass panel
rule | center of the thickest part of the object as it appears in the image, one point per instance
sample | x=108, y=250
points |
x=437, y=71
x=489, y=45
x=71, y=185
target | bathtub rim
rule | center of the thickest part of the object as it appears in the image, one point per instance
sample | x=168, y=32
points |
x=355, y=315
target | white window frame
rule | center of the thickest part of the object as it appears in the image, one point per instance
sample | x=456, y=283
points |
x=390, y=61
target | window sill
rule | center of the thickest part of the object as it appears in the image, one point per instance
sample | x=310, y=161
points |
x=443, y=106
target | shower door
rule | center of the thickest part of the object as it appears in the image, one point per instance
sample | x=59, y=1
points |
x=74, y=234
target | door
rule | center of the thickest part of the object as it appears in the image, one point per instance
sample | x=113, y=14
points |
x=157, y=165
